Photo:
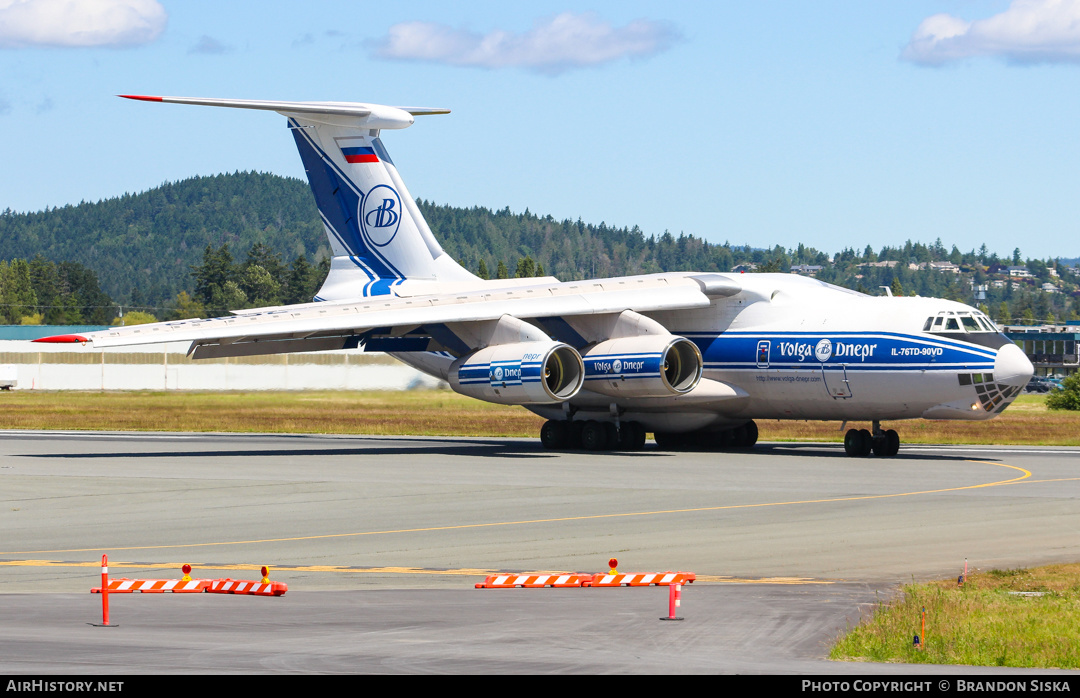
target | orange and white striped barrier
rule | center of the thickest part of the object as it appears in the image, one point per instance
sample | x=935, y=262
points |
x=640, y=580
x=249, y=588
x=186, y=585
x=155, y=586
x=532, y=581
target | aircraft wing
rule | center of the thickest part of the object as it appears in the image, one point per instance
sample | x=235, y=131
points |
x=321, y=326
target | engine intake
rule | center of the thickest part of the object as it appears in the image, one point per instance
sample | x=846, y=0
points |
x=528, y=373
x=644, y=366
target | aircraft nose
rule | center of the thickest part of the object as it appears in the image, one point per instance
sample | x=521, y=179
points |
x=1012, y=367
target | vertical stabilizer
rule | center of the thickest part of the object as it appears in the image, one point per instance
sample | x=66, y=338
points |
x=377, y=233
x=378, y=236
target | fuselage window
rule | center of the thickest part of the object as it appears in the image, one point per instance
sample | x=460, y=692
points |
x=937, y=322
x=970, y=324
x=952, y=325
x=929, y=323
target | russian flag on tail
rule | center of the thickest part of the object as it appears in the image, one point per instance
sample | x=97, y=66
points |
x=361, y=154
x=355, y=150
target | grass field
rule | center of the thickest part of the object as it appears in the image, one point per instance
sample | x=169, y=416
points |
x=1016, y=618
x=443, y=413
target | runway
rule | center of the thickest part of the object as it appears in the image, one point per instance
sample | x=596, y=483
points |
x=417, y=521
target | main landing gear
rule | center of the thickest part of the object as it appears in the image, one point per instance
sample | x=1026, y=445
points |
x=860, y=442
x=741, y=437
x=594, y=435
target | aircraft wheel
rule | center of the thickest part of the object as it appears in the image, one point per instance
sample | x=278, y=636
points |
x=631, y=436
x=594, y=436
x=866, y=442
x=738, y=437
x=752, y=433
x=612, y=432
x=893, y=440
x=881, y=446
x=746, y=435
x=573, y=435
x=555, y=435
x=851, y=442
x=668, y=441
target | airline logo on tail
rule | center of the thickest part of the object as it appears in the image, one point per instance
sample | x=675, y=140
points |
x=380, y=214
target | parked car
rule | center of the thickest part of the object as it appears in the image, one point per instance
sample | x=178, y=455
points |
x=1039, y=384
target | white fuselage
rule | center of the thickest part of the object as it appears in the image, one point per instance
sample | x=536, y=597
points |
x=791, y=347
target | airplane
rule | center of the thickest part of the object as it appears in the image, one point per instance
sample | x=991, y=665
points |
x=693, y=358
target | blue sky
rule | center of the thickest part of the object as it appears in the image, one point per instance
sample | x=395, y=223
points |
x=831, y=124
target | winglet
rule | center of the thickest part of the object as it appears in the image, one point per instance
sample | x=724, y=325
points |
x=62, y=339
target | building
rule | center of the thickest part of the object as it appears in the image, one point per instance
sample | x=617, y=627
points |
x=166, y=366
x=1052, y=349
x=936, y=266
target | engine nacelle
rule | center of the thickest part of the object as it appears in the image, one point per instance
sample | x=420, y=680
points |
x=643, y=366
x=528, y=373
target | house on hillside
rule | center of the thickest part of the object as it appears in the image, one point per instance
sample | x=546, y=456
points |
x=936, y=266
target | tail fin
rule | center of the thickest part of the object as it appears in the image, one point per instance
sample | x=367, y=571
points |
x=378, y=236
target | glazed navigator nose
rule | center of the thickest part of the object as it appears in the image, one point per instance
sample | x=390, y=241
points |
x=1012, y=367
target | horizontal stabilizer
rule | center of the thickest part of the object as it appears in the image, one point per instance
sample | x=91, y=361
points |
x=374, y=115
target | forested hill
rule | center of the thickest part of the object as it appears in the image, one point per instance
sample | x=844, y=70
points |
x=261, y=233
x=148, y=241
x=142, y=245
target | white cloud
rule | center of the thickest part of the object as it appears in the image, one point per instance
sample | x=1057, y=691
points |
x=80, y=22
x=552, y=46
x=1029, y=31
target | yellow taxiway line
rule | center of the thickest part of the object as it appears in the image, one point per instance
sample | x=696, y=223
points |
x=197, y=569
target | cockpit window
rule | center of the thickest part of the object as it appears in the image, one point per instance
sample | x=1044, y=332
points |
x=952, y=321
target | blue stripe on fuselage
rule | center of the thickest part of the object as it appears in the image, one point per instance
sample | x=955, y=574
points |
x=862, y=351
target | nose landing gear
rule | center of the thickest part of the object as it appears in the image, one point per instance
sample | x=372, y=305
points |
x=860, y=442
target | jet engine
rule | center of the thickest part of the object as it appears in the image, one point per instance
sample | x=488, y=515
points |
x=527, y=373
x=642, y=366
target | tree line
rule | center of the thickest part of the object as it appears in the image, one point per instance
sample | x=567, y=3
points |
x=205, y=245
x=39, y=291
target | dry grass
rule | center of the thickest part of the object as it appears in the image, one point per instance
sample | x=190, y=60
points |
x=440, y=412
x=435, y=412
x=978, y=624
